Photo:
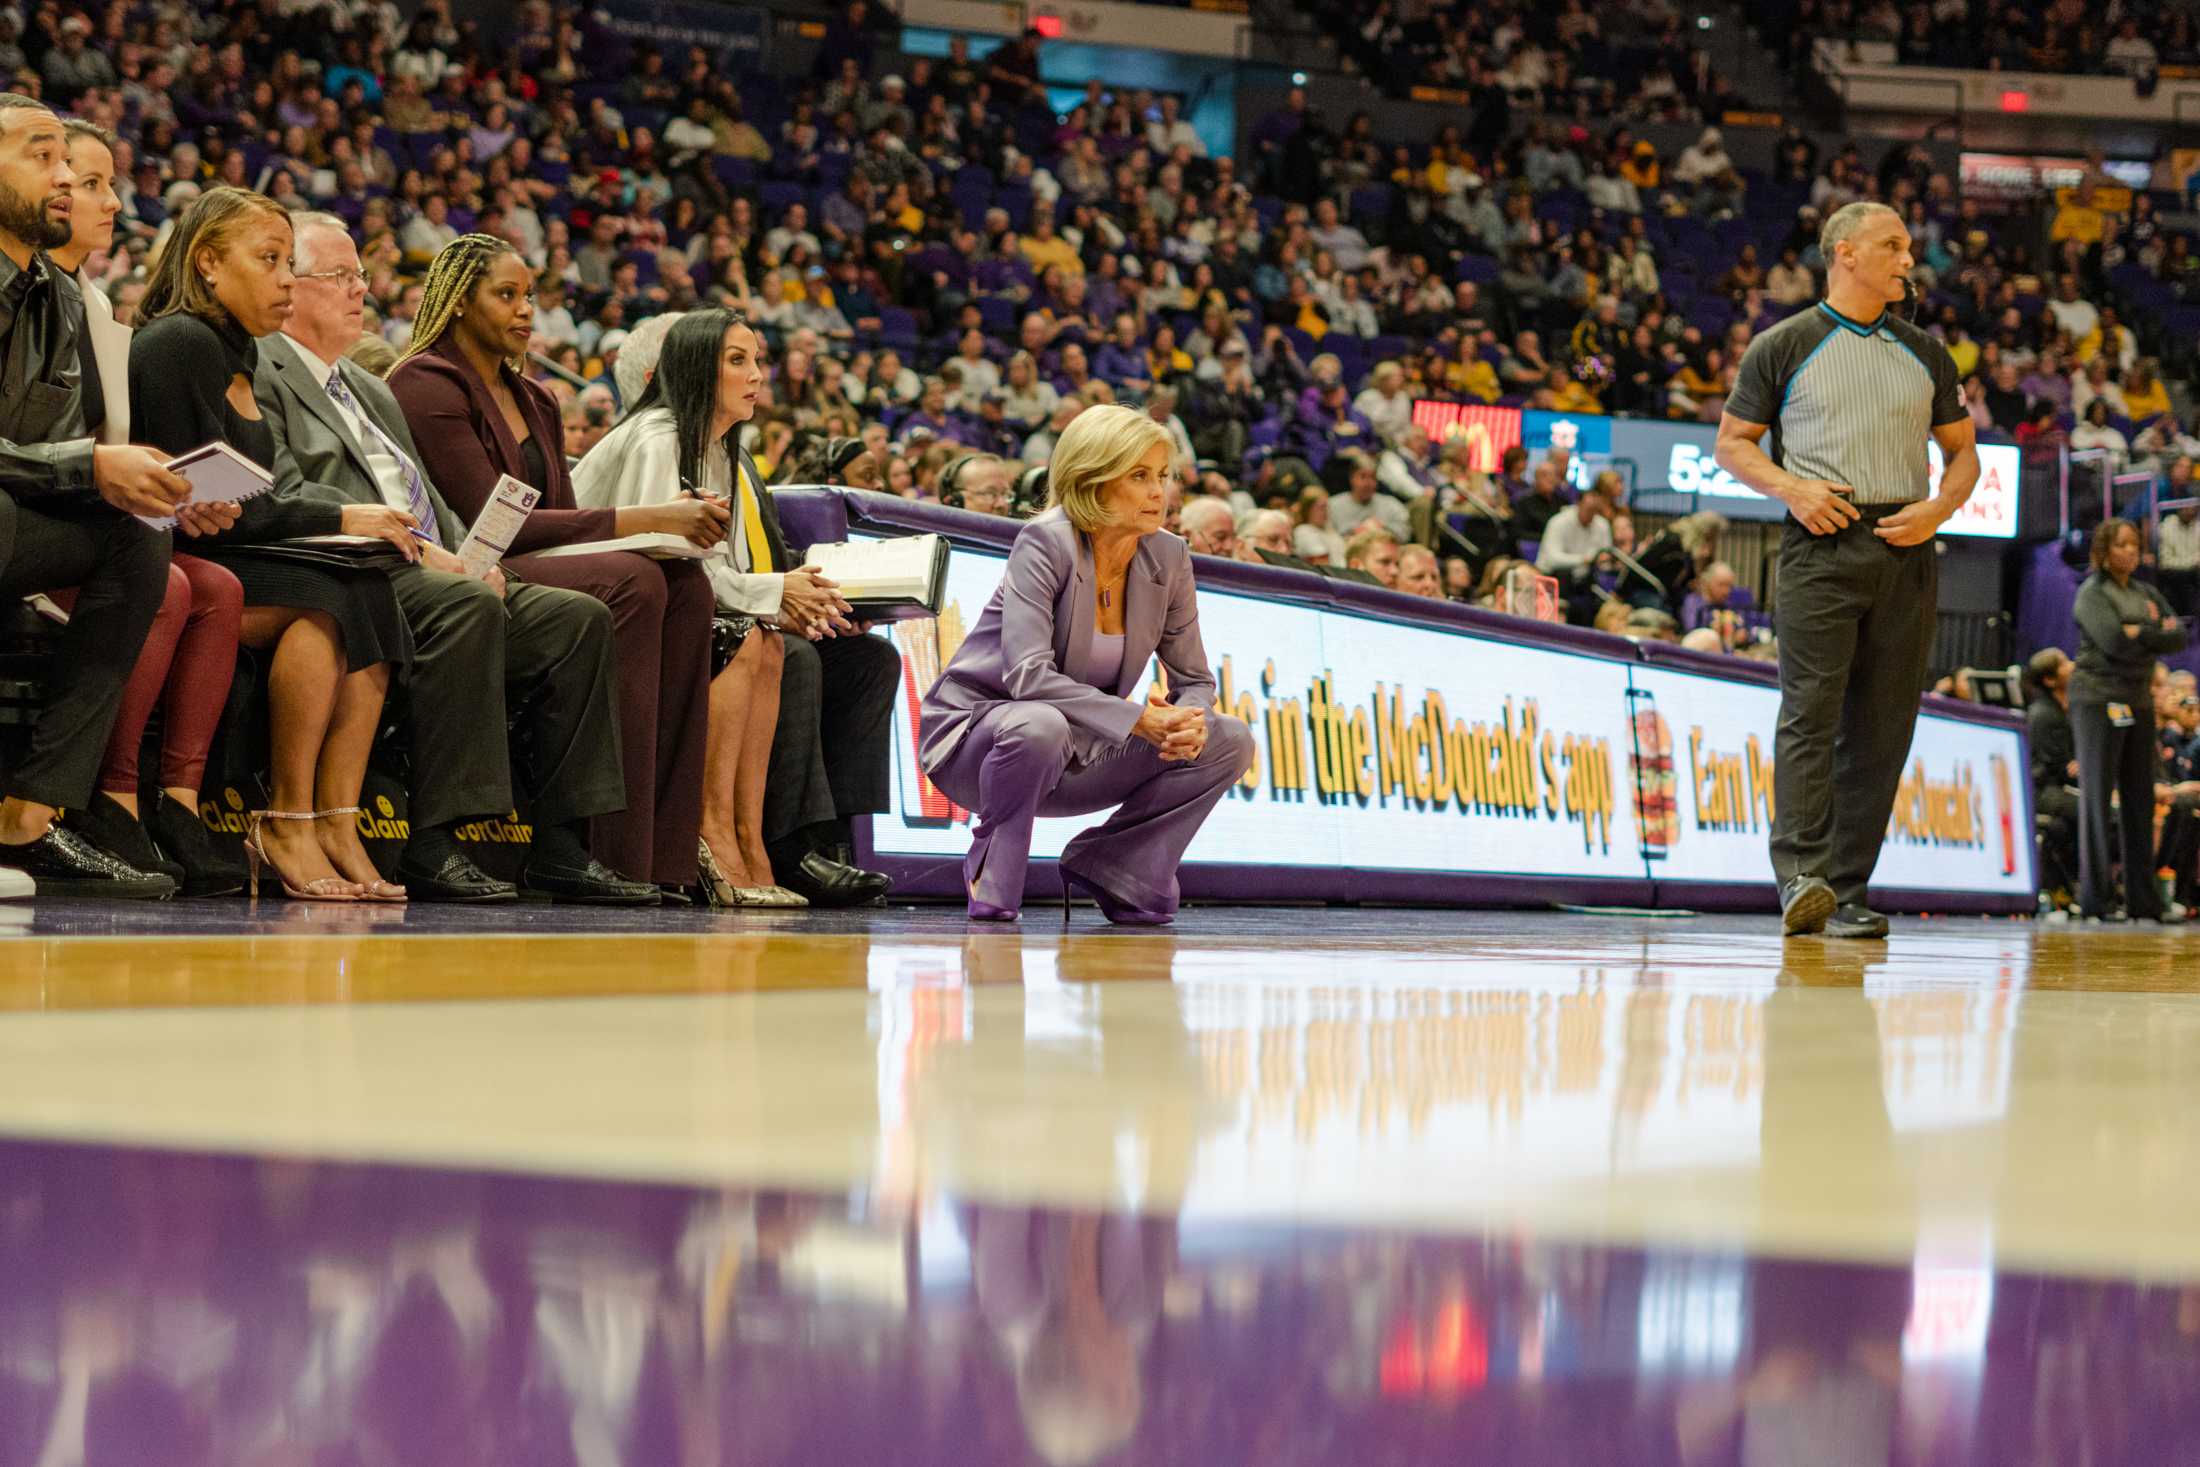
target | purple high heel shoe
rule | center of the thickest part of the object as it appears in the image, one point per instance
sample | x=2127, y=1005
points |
x=982, y=911
x=1122, y=914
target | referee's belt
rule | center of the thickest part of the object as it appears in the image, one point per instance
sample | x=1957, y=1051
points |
x=1881, y=511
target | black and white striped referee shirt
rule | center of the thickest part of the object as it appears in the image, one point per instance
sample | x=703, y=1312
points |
x=1850, y=401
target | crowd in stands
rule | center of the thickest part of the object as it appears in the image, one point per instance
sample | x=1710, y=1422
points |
x=2134, y=40
x=1572, y=61
x=938, y=268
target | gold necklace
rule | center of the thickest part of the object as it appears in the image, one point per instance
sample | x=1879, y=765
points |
x=1109, y=582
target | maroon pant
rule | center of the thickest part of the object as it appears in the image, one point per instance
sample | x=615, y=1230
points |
x=184, y=669
x=660, y=631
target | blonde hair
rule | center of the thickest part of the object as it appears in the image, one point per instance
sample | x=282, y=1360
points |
x=1698, y=530
x=1100, y=446
x=373, y=353
x=1364, y=540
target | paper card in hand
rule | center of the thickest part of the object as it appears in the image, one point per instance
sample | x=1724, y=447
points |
x=497, y=526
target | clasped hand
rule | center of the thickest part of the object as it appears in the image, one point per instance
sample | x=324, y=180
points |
x=812, y=606
x=1179, y=733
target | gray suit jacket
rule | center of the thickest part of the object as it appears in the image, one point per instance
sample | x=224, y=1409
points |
x=1034, y=639
x=316, y=455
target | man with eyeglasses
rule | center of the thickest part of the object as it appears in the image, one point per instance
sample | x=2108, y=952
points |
x=480, y=645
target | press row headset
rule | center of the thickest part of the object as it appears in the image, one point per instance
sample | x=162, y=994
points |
x=951, y=493
x=1030, y=495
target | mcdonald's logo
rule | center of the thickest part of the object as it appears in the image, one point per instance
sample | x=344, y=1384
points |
x=1487, y=431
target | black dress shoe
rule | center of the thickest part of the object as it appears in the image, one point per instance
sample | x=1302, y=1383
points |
x=455, y=878
x=1805, y=904
x=64, y=864
x=593, y=885
x=107, y=823
x=181, y=836
x=830, y=883
x=1854, y=919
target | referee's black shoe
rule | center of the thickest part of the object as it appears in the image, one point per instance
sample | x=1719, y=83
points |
x=1805, y=904
x=1854, y=919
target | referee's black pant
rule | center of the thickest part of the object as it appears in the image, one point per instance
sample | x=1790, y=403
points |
x=1855, y=627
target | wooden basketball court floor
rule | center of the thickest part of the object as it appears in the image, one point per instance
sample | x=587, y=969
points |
x=311, y=1184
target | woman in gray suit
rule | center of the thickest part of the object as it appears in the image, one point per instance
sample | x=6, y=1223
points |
x=1032, y=717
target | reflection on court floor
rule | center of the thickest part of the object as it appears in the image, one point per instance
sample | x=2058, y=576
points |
x=190, y=1309
x=1276, y=1186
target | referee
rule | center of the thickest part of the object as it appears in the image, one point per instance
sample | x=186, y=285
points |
x=1849, y=393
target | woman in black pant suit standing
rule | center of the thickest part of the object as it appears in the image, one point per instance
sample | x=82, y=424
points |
x=2123, y=626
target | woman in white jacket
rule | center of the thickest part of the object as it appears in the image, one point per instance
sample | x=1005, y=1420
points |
x=682, y=439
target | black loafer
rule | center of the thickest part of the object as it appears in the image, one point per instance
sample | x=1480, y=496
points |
x=64, y=864
x=593, y=885
x=1805, y=904
x=1854, y=919
x=826, y=882
x=454, y=879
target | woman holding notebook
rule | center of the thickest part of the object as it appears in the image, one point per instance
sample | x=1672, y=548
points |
x=189, y=656
x=331, y=633
x=476, y=418
x=681, y=444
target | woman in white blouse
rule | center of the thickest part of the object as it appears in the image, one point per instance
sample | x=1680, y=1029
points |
x=2097, y=432
x=1030, y=397
x=681, y=439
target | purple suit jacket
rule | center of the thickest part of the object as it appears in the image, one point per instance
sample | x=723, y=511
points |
x=1033, y=641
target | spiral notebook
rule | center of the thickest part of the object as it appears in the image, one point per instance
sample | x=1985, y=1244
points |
x=219, y=475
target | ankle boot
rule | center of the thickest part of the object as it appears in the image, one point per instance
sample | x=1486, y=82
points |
x=108, y=825
x=206, y=869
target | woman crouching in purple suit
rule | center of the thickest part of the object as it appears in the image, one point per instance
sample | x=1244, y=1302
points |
x=1033, y=716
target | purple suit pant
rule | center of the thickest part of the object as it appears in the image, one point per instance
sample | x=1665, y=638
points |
x=1016, y=763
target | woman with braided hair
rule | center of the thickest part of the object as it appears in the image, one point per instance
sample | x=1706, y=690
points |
x=476, y=417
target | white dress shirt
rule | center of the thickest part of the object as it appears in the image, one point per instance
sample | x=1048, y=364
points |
x=1347, y=514
x=389, y=474
x=2178, y=545
x=1568, y=543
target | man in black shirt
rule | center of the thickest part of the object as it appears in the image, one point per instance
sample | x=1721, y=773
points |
x=2054, y=768
x=1013, y=71
x=66, y=519
x=2005, y=400
x=1546, y=496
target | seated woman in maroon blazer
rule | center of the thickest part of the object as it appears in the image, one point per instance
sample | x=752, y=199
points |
x=476, y=417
